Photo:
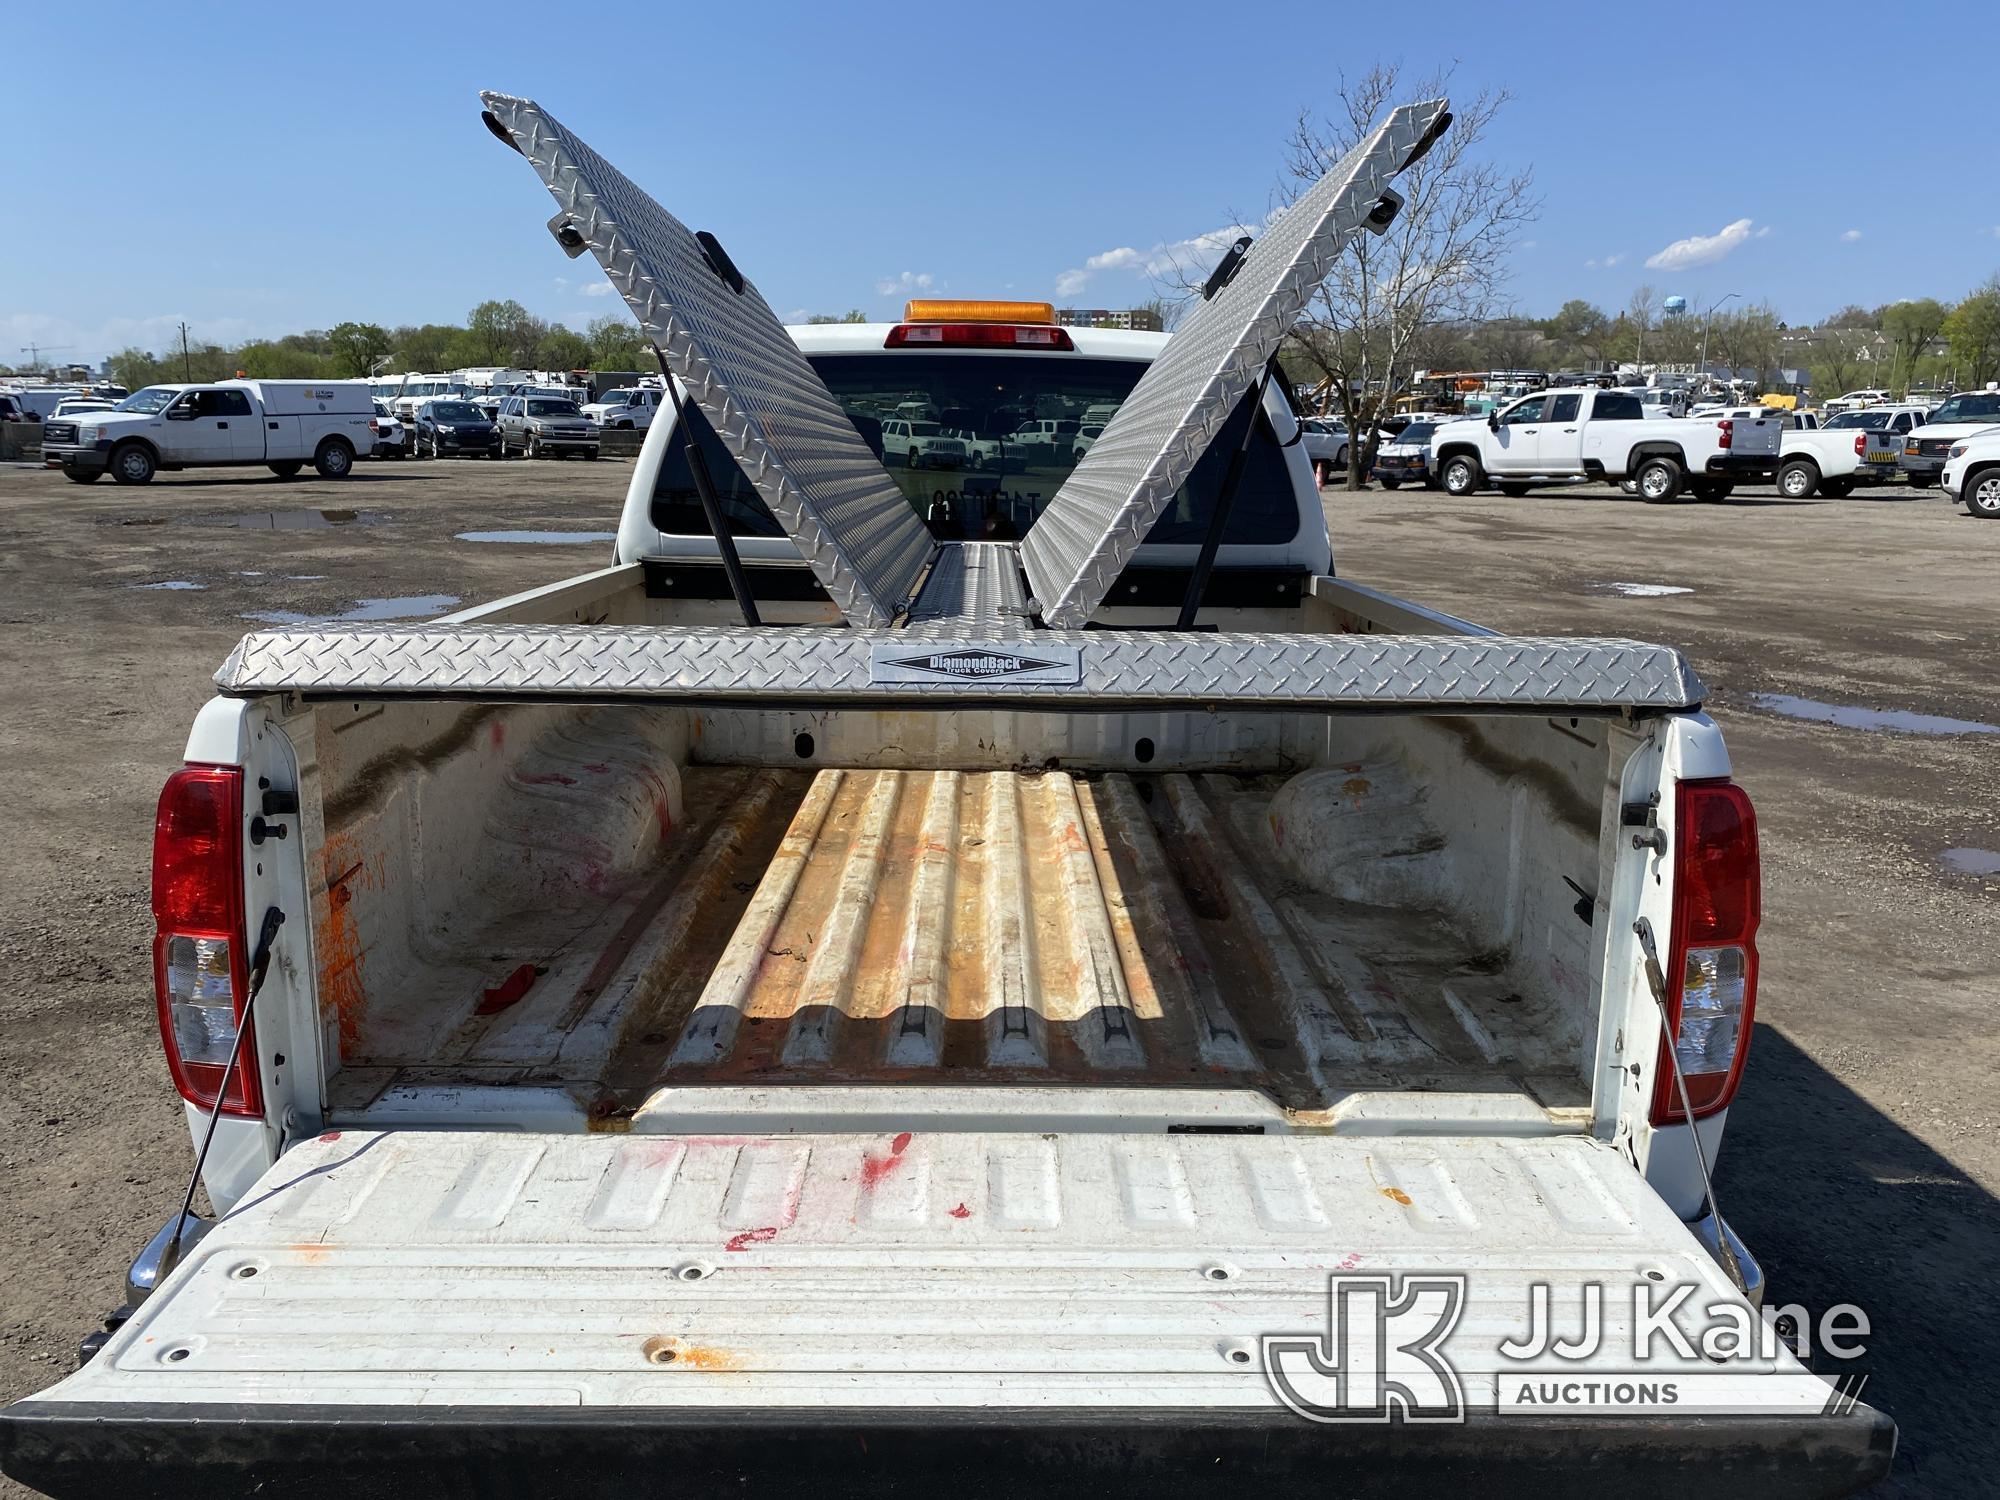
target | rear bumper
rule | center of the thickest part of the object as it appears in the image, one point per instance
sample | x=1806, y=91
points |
x=354, y=1452
x=1745, y=465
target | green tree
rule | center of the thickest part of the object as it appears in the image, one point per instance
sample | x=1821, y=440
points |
x=1578, y=330
x=617, y=344
x=562, y=349
x=133, y=368
x=1911, y=327
x=502, y=333
x=1972, y=329
x=357, y=347
x=852, y=315
x=423, y=348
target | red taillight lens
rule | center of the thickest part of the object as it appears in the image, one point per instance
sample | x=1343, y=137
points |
x=1728, y=432
x=374, y=424
x=978, y=336
x=1712, y=961
x=200, y=973
x=1860, y=444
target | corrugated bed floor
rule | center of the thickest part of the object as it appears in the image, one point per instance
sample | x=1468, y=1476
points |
x=1051, y=928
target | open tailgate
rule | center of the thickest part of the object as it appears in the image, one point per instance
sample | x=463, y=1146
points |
x=500, y=1313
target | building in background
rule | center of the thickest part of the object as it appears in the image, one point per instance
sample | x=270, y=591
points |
x=1145, y=318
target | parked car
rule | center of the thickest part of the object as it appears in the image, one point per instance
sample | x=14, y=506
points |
x=1971, y=473
x=1040, y=439
x=1855, y=400
x=543, y=427
x=1086, y=438
x=1406, y=458
x=67, y=409
x=392, y=438
x=980, y=452
x=279, y=424
x=455, y=429
x=1604, y=434
x=1326, y=441
x=14, y=409
x=628, y=408
x=1927, y=446
x=1855, y=447
x=922, y=444
x=416, y=390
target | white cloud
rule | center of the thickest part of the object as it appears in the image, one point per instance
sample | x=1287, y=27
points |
x=1702, y=249
x=907, y=282
x=1530, y=244
x=1763, y=232
x=88, y=343
x=1196, y=253
x=1850, y=236
x=1605, y=263
x=1116, y=260
x=596, y=289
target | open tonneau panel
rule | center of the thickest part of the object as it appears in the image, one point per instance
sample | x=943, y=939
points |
x=700, y=1294
x=735, y=360
x=1078, y=546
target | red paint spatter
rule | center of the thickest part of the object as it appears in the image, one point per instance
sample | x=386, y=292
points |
x=330, y=1136
x=875, y=1168
x=597, y=768
x=751, y=1237
x=507, y=992
x=497, y=733
x=544, y=778
x=1348, y=1261
x=961, y=1212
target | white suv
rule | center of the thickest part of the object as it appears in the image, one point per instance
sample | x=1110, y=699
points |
x=1971, y=473
x=629, y=408
x=922, y=444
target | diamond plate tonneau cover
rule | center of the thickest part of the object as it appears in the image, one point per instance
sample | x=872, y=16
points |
x=924, y=1269
x=1080, y=543
x=1499, y=673
x=770, y=409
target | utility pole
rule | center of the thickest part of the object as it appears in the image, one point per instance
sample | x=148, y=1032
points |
x=187, y=366
x=1705, y=317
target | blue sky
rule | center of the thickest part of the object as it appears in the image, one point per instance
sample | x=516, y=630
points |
x=260, y=169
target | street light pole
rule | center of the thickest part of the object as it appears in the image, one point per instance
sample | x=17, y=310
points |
x=1705, y=317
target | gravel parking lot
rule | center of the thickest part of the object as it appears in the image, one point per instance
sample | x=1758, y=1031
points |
x=1863, y=1155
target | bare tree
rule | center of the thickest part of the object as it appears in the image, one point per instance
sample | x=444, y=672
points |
x=1443, y=260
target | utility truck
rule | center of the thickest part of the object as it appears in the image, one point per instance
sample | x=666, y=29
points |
x=812, y=1006
x=282, y=425
x=1604, y=434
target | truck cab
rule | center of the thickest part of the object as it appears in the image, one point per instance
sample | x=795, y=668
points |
x=1957, y=418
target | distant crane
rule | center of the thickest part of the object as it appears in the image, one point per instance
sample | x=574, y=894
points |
x=35, y=352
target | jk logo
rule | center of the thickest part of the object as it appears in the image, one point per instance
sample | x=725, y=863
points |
x=1381, y=1358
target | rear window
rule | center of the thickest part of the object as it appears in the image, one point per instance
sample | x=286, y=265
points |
x=552, y=409
x=1615, y=406
x=1005, y=479
x=1872, y=421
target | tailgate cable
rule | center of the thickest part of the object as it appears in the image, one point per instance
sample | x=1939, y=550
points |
x=1656, y=981
x=260, y=965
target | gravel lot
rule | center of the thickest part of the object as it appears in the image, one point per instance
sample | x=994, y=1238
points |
x=1863, y=1155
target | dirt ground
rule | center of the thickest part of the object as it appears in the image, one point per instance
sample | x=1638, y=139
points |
x=1862, y=1157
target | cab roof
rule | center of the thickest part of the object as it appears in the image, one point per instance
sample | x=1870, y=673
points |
x=870, y=338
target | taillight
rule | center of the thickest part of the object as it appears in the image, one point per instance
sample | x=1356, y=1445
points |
x=1712, y=960
x=1860, y=444
x=1728, y=432
x=978, y=336
x=200, y=970
x=374, y=424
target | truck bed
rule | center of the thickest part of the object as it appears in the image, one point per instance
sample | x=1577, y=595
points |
x=851, y=925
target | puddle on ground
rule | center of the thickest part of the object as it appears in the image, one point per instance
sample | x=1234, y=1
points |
x=540, y=538
x=1972, y=861
x=1848, y=717
x=305, y=578
x=1645, y=590
x=175, y=583
x=286, y=520
x=412, y=607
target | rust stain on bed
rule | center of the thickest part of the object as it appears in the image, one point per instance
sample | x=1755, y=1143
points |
x=342, y=989
x=672, y=1353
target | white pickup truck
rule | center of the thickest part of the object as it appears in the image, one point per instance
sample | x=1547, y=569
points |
x=796, y=1007
x=1603, y=434
x=1852, y=448
x=282, y=425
